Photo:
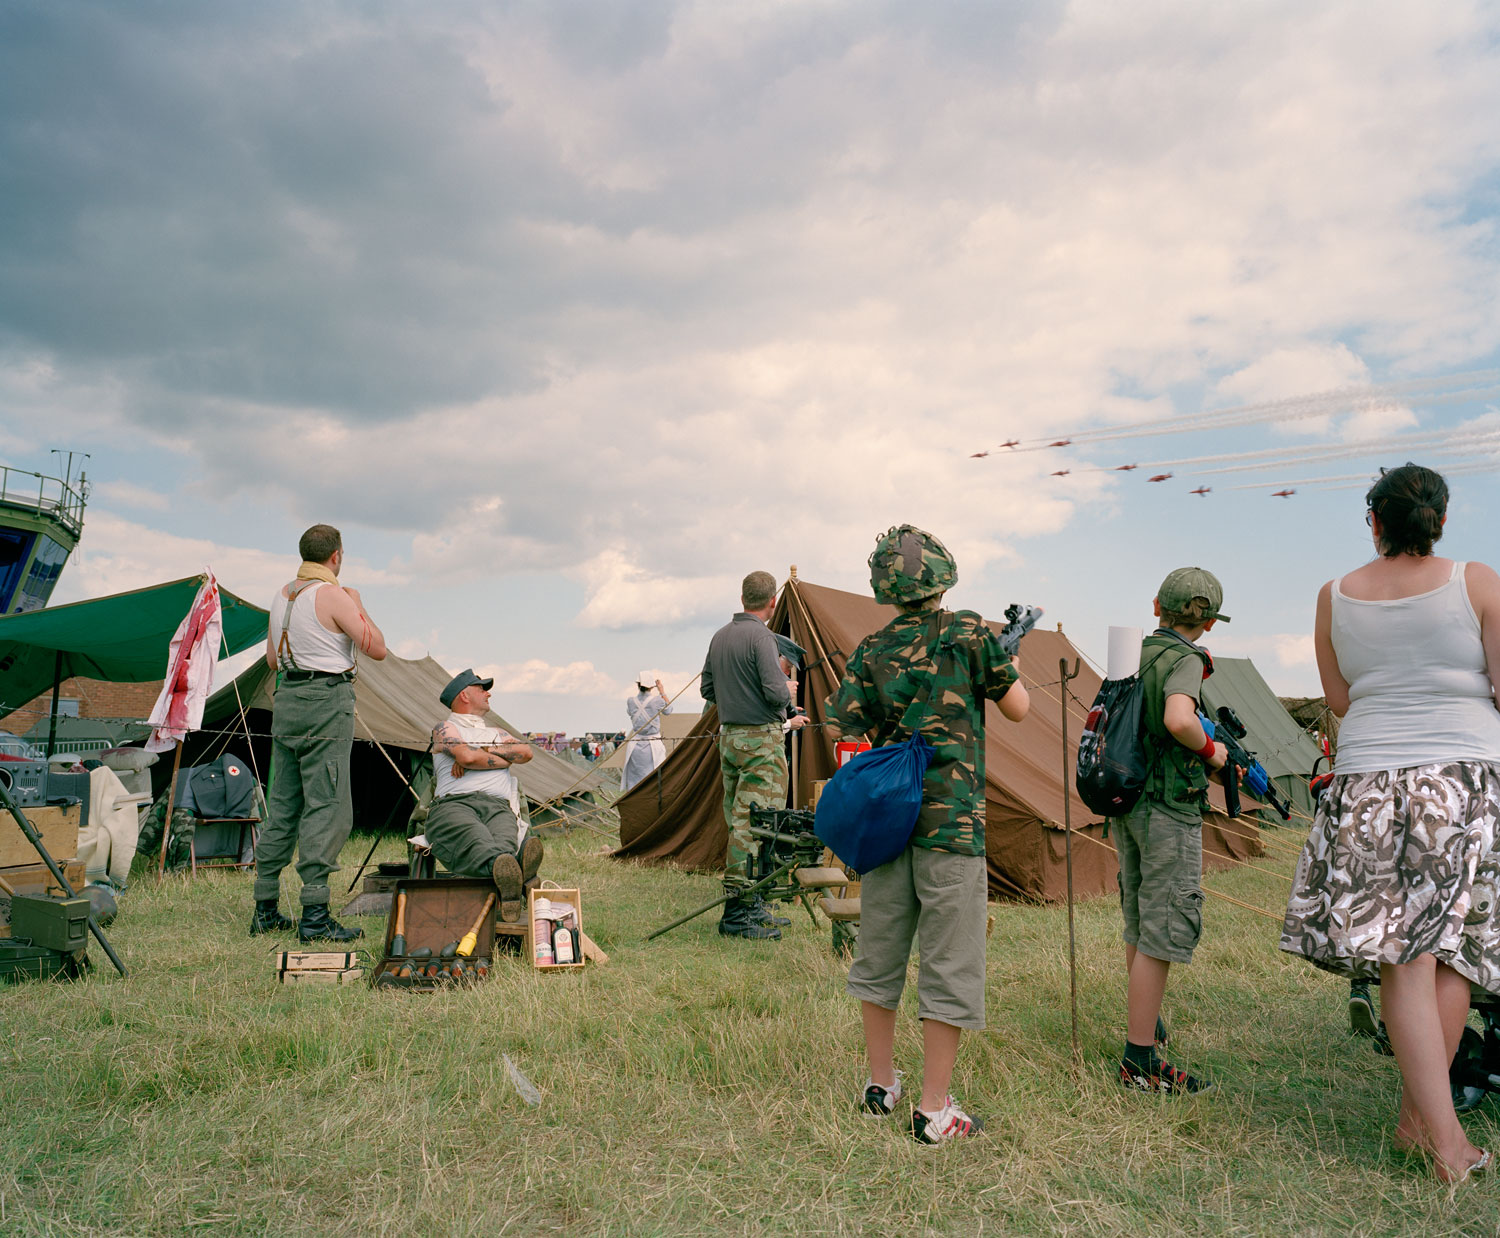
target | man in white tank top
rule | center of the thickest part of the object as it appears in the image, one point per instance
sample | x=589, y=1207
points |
x=474, y=824
x=315, y=627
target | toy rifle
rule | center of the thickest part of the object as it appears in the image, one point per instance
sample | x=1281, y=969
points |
x=1019, y=620
x=1230, y=731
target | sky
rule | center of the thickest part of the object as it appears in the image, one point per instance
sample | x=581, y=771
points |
x=569, y=314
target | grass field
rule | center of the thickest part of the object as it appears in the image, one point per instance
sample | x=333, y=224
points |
x=691, y=1086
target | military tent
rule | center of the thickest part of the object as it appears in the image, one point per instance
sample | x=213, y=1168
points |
x=396, y=703
x=1279, y=743
x=676, y=816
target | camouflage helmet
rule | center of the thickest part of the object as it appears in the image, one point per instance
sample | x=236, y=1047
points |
x=908, y=565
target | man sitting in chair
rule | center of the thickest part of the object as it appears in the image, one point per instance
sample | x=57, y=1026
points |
x=474, y=824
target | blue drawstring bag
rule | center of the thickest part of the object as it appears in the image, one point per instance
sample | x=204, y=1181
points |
x=869, y=808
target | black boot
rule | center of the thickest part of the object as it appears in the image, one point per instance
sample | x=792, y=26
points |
x=763, y=913
x=739, y=920
x=530, y=859
x=268, y=918
x=318, y=925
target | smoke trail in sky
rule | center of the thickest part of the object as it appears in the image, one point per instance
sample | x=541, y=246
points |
x=1428, y=392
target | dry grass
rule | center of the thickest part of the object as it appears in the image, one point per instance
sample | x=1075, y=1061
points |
x=690, y=1087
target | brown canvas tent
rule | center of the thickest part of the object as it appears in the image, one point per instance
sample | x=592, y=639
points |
x=676, y=816
x=396, y=703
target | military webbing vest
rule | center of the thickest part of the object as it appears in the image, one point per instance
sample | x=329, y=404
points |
x=1176, y=776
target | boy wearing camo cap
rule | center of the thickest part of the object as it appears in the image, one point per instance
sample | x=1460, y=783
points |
x=1160, y=841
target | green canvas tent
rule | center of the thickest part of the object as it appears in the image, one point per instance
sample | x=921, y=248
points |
x=1282, y=746
x=123, y=638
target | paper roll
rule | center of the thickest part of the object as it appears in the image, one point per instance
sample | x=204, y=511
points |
x=1124, y=653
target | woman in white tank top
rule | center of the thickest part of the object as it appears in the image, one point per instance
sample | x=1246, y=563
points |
x=1402, y=864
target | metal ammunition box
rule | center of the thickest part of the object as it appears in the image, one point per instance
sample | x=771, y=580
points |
x=56, y=923
x=18, y=962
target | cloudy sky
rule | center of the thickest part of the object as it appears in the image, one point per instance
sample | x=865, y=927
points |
x=570, y=313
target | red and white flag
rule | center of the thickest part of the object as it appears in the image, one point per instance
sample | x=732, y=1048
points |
x=190, y=670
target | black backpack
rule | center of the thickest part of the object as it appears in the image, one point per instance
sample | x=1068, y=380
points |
x=1113, y=760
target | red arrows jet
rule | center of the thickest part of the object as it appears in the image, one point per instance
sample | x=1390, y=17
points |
x=1061, y=473
x=1062, y=442
x=1282, y=494
x=978, y=455
x=1161, y=477
x=1011, y=442
x=1201, y=490
x=1125, y=468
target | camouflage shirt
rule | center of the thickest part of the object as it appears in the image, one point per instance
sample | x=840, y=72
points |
x=895, y=665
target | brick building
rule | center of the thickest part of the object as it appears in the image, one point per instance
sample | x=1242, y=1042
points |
x=86, y=698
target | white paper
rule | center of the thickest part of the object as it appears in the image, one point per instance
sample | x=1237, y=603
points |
x=1124, y=653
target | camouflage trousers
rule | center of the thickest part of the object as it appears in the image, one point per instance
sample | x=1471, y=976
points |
x=752, y=761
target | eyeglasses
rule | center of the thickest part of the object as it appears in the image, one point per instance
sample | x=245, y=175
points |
x=1370, y=519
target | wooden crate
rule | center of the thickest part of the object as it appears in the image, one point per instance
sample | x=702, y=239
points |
x=556, y=895
x=56, y=823
x=347, y=975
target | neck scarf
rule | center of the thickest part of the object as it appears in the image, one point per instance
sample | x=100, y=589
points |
x=316, y=571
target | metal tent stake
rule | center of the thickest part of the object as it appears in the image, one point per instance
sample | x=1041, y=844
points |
x=1064, y=676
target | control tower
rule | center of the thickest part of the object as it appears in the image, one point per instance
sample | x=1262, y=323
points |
x=41, y=518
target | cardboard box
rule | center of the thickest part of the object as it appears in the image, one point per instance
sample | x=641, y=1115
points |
x=56, y=823
x=555, y=894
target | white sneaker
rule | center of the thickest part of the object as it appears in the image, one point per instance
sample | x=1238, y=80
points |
x=881, y=1101
x=949, y=1122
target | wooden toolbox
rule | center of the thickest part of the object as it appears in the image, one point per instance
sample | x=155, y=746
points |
x=441, y=911
x=555, y=894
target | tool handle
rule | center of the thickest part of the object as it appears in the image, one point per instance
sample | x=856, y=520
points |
x=471, y=938
x=400, y=915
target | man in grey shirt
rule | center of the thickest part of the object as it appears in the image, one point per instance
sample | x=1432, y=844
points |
x=746, y=679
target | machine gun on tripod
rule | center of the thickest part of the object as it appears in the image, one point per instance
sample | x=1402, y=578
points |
x=785, y=843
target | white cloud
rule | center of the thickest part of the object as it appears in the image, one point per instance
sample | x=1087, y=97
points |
x=116, y=554
x=536, y=677
x=128, y=494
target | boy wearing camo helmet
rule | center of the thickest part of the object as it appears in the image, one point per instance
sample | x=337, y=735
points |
x=931, y=670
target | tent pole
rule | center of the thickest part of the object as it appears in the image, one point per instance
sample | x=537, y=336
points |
x=56, y=688
x=166, y=825
x=1064, y=677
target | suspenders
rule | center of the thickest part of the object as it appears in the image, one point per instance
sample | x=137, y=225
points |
x=284, y=645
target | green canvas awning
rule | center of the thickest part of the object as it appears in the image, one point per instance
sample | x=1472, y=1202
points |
x=123, y=638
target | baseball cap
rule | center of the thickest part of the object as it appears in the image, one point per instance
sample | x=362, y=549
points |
x=459, y=682
x=1193, y=591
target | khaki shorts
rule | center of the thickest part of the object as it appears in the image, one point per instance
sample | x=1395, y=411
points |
x=938, y=899
x=1161, y=874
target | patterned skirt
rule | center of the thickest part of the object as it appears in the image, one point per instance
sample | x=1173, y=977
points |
x=1400, y=863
